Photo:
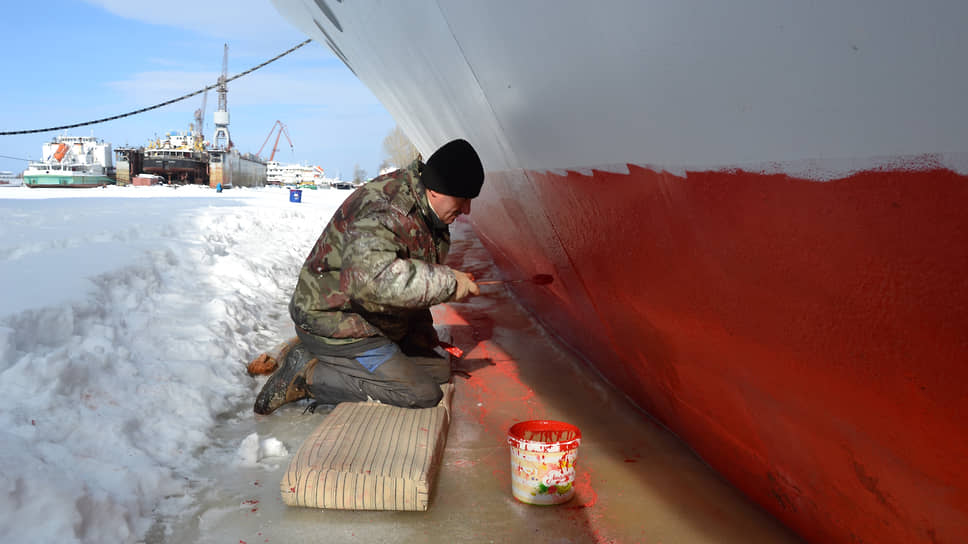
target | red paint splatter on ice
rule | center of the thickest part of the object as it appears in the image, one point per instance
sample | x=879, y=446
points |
x=584, y=489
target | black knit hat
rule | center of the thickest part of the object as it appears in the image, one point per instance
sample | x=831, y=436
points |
x=455, y=170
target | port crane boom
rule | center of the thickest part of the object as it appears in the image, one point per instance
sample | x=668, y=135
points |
x=222, y=139
x=200, y=117
x=275, y=146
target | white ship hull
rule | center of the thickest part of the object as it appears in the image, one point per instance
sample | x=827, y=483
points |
x=754, y=211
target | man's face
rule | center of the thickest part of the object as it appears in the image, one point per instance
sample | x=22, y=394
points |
x=448, y=207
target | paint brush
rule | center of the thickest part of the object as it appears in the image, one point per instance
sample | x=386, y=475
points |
x=537, y=279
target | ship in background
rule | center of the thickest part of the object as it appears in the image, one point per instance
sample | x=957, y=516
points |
x=187, y=158
x=9, y=179
x=181, y=158
x=296, y=175
x=290, y=174
x=755, y=216
x=72, y=161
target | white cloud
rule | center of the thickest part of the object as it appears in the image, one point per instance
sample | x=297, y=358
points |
x=222, y=18
x=164, y=62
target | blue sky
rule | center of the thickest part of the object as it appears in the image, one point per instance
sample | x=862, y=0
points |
x=69, y=61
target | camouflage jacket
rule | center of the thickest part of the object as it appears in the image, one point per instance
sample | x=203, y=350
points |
x=375, y=269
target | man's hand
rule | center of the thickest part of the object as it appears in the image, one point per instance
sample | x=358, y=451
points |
x=465, y=286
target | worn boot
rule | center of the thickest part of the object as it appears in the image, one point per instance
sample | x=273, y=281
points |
x=289, y=383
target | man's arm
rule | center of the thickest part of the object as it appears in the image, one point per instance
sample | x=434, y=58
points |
x=373, y=275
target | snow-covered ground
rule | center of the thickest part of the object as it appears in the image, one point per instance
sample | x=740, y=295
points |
x=126, y=320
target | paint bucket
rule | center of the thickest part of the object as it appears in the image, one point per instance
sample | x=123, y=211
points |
x=543, y=456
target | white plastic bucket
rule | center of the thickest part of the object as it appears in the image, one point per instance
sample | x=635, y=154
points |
x=543, y=457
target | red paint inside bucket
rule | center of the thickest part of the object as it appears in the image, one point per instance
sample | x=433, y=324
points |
x=544, y=435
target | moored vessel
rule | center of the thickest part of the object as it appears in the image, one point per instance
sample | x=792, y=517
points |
x=72, y=161
x=754, y=216
x=303, y=175
x=8, y=178
x=189, y=158
x=179, y=158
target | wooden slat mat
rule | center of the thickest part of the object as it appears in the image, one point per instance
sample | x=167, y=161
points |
x=370, y=456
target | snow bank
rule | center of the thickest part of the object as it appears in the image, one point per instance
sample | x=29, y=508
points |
x=126, y=318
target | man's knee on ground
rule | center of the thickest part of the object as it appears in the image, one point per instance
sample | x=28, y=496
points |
x=427, y=396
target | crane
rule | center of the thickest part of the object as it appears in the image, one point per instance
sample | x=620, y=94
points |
x=222, y=139
x=200, y=117
x=275, y=146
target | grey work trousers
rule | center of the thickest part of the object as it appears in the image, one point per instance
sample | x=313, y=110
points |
x=410, y=380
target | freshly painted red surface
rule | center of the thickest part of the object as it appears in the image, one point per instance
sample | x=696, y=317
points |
x=808, y=339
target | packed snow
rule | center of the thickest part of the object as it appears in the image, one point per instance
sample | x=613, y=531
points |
x=127, y=317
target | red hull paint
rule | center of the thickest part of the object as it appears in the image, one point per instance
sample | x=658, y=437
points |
x=807, y=339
